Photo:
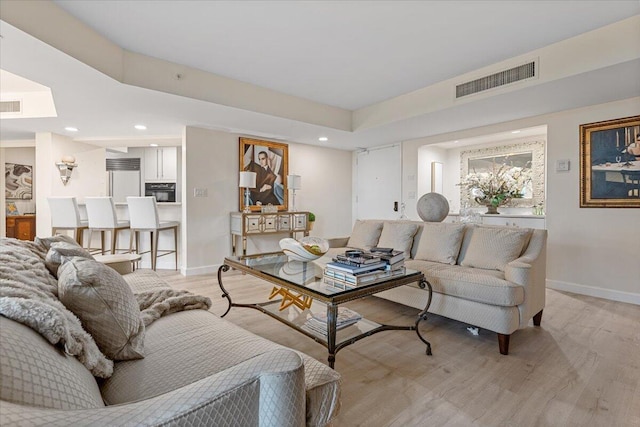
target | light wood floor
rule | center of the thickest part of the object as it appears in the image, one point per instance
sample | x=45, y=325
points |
x=580, y=368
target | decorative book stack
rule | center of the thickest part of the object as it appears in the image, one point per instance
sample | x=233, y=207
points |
x=318, y=322
x=356, y=267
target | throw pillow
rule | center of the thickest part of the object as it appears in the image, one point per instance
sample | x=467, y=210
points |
x=493, y=248
x=365, y=234
x=46, y=242
x=105, y=305
x=398, y=235
x=63, y=249
x=440, y=242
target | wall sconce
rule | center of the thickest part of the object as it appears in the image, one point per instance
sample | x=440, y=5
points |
x=295, y=183
x=247, y=181
x=65, y=167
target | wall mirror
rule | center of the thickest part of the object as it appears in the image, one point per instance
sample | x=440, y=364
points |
x=525, y=154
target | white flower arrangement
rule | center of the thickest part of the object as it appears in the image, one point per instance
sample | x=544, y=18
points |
x=498, y=186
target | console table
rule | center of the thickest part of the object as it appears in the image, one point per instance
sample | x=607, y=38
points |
x=256, y=224
x=21, y=227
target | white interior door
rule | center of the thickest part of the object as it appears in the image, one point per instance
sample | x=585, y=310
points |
x=379, y=183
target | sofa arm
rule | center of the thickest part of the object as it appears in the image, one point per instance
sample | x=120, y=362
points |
x=267, y=390
x=338, y=242
x=530, y=271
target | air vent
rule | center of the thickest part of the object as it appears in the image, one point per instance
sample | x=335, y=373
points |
x=10, y=107
x=123, y=164
x=502, y=78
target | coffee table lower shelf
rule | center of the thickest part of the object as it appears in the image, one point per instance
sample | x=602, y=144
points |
x=336, y=339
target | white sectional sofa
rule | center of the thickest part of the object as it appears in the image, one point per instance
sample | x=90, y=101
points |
x=491, y=277
x=194, y=368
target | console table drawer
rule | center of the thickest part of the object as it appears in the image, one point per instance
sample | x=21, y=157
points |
x=254, y=224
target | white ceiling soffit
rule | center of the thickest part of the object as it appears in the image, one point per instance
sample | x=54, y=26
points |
x=573, y=72
x=21, y=98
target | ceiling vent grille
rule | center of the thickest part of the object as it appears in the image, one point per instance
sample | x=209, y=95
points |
x=502, y=78
x=10, y=107
x=123, y=164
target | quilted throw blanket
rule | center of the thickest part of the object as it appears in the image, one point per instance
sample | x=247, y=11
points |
x=28, y=294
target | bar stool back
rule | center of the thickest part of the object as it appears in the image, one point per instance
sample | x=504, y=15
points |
x=65, y=215
x=143, y=215
x=101, y=212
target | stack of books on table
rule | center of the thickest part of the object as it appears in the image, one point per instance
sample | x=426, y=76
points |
x=318, y=322
x=355, y=268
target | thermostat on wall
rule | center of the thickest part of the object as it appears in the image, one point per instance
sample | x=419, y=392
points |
x=562, y=165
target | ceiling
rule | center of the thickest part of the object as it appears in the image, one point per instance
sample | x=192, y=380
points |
x=348, y=56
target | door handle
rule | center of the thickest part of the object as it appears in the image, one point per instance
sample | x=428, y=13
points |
x=395, y=206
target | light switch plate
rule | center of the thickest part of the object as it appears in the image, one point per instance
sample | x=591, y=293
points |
x=562, y=165
x=200, y=192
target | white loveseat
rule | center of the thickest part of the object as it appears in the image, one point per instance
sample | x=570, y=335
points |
x=488, y=276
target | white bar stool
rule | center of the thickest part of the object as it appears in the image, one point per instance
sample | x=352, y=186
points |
x=143, y=216
x=101, y=212
x=65, y=215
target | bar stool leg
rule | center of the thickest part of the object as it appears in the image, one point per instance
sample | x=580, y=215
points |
x=114, y=239
x=175, y=242
x=154, y=249
x=102, y=241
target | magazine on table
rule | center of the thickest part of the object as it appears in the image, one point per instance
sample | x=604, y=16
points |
x=344, y=315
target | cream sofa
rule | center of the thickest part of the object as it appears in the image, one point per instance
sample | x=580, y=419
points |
x=489, y=277
x=198, y=369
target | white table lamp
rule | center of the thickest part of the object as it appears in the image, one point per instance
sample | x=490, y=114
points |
x=295, y=183
x=247, y=181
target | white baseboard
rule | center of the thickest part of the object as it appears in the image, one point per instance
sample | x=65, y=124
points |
x=207, y=269
x=592, y=291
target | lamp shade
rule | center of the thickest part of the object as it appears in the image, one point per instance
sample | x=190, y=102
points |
x=248, y=179
x=294, y=182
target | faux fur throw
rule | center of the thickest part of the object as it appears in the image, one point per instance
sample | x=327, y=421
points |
x=28, y=294
x=160, y=302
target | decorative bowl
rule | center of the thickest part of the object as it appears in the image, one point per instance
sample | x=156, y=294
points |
x=305, y=249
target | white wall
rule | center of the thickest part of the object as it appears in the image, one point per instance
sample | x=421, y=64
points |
x=590, y=251
x=88, y=179
x=212, y=159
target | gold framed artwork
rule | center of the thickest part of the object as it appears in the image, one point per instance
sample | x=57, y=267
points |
x=610, y=164
x=270, y=161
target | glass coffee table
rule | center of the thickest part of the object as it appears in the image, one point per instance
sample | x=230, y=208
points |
x=300, y=291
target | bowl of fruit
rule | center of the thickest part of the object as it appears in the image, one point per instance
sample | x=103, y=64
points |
x=306, y=249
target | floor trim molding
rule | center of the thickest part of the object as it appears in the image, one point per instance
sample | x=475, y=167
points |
x=593, y=291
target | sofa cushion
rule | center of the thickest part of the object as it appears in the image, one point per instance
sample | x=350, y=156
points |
x=59, y=249
x=398, y=235
x=105, y=304
x=187, y=346
x=440, y=242
x=365, y=234
x=493, y=247
x=35, y=373
x=474, y=284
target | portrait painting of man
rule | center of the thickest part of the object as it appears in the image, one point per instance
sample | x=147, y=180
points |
x=269, y=161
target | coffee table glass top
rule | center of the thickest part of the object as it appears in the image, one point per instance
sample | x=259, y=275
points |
x=304, y=274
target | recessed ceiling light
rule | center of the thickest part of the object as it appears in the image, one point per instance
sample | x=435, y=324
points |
x=323, y=138
x=515, y=131
x=140, y=127
x=455, y=142
x=71, y=129
x=153, y=145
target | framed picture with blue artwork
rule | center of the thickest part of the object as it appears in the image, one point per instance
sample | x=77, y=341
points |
x=610, y=164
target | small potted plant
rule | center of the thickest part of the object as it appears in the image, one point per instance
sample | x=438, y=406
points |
x=312, y=219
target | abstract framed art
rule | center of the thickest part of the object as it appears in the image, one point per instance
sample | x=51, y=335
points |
x=270, y=161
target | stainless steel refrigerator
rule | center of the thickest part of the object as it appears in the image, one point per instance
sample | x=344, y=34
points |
x=123, y=178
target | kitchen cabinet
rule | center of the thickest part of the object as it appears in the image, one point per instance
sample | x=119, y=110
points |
x=161, y=164
x=21, y=227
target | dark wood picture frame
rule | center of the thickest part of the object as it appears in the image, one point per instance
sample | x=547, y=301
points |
x=271, y=183
x=610, y=164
